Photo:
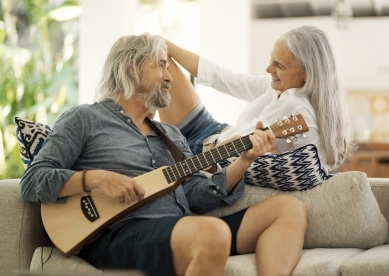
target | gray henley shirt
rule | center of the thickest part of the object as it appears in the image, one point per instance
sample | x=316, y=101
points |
x=102, y=136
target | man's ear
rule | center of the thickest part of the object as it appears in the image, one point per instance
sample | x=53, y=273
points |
x=134, y=72
x=131, y=71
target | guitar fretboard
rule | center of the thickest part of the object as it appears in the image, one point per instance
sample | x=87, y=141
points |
x=285, y=128
x=208, y=158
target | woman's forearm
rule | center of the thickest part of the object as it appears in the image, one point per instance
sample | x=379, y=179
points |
x=187, y=59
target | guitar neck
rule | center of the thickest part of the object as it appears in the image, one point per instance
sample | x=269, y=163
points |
x=286, y=128
x=206, y=159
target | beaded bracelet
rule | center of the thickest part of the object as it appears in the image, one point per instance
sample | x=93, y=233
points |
x=84, y=182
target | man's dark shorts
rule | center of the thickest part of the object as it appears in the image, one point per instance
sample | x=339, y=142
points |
x=143, y=244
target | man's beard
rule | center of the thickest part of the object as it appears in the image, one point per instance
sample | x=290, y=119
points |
x=155, y=97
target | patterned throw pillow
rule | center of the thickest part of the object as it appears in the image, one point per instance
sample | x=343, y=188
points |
x=31, y=136
x=289, y=171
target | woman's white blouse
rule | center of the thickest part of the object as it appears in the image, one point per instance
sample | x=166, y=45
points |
x=263, y=105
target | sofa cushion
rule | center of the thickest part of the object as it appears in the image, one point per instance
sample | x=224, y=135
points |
x=342, y=212
x=288, y=171
x=30, y=136
x=321, y=261
x=374, y=261
x=55, y=263
x=54, y=260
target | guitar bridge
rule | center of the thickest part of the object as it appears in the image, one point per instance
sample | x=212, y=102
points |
x=89, y=209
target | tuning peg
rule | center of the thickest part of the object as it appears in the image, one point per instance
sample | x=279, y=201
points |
x=278, y=122
x=304, y=135
x=288, y=141
x=294, y=117
x=286, y=119
x=296, y=138
x=292, y=129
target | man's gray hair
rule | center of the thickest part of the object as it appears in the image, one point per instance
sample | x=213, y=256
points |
x=128, y=53
x=311, y=48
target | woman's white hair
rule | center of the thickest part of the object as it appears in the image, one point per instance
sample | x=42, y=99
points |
x=311, y=48
x=128, y=53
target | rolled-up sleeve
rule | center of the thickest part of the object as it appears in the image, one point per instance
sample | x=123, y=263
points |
x=204, y=194
x=246, y=87
x=44, y=179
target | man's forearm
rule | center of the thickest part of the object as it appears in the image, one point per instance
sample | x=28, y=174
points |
x=235, y=172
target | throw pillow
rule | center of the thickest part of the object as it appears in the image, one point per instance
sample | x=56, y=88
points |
x=342, y=212
x=289, y=171
x=30, y=136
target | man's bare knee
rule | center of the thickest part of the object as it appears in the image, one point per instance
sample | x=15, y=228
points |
x=215, y=235
x=200, y=242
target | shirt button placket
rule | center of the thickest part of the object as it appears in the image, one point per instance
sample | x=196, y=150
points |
x=152, y=159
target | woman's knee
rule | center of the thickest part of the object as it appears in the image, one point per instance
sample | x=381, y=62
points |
x=292, y=207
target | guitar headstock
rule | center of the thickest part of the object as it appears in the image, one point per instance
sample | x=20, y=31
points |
x=289, y=126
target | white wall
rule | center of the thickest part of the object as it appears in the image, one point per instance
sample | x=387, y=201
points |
x=362, y=53
x=102, y=23
x=225, y=38
x=222, y=33
x=265, y=32
x=362, y=50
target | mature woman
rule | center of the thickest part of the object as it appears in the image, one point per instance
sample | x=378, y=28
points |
x=303, y=80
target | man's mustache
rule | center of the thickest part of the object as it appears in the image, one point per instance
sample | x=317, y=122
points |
x=165, y=85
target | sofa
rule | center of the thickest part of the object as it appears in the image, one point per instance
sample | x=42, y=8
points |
x=347, y=231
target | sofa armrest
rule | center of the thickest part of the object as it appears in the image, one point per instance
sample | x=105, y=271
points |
x=380, y=189
x=21, y=229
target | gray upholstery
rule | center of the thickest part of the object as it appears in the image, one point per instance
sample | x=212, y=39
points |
x=22, y=235
x=319, y=261
x=57, y=262
x=342, y=212
x=20, y=227
x=374, y=261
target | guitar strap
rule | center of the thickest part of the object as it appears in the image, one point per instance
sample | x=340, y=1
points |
x=177, y=154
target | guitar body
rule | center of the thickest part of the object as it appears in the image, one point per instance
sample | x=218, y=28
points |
x=73, y=224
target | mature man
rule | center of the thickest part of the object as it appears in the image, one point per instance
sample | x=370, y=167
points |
x=106, y=144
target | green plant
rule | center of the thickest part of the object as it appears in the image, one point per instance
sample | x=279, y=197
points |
x=38, y=68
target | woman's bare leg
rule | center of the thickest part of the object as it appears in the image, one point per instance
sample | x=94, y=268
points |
x=184, y=97
x=274, y=229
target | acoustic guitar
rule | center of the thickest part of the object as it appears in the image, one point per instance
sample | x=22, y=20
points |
x=73, y=224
